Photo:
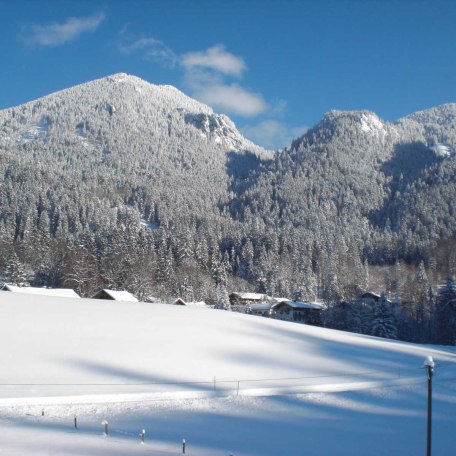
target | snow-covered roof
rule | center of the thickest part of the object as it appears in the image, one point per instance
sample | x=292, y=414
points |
x=59, y=292
x=370, y=294
x=375, y=296
x=260, y=306
x=120, y=295
x=196, y=303
x=181, y=302
x=300, y=305
x=280, y=299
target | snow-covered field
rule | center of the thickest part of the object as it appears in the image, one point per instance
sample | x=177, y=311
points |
x=228, y=383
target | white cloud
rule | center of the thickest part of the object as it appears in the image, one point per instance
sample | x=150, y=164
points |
x=215, y=58
x=232, y=99
x=272, y=134
x=56, y=34
x=206, y=75
x=151, y=48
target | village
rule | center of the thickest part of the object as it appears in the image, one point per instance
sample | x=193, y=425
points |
x=258, y=304
x=243, y=302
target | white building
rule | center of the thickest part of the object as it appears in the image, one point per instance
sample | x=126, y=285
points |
x=57, y=292
x=115, y=295
x=303, y=312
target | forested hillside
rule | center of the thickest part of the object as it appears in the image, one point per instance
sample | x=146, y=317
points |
x=118, y=183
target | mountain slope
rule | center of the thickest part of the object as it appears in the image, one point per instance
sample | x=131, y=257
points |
x=166, y=369
x=353, y=176
x=124, y=141
x=116, y=168
x=124, y=347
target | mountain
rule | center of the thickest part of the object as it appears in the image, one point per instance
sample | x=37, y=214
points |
x=114, y=155
x=119, y=183
x=125, y=140
x=354, y=176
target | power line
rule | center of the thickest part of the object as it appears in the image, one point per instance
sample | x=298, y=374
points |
x=211, y=382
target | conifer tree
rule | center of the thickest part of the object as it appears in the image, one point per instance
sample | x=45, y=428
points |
x=445, y=313
x=15, y=273
x=383, y=323
x=223, y=300
x=431, y=322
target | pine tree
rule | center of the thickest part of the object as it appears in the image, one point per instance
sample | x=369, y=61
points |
x=421, y=298
x=14, y=272
x=355, y=322
x=445, y=313
x=261, y=286
x=223, y=300
x=431, y=322
x=384, y=324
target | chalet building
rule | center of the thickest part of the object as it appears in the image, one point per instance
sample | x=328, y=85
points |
x=181, y=302
x=371, y=297
x=246, y=298
x=302, y=312
x=56, y=292
x=115, y=295
x=263, y=309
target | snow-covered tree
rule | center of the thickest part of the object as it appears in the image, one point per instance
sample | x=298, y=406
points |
x=383, y=323
x=15, y=272
x=445, y=313
x=223, y=300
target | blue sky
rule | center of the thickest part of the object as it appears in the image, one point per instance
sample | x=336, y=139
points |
x=274, y=67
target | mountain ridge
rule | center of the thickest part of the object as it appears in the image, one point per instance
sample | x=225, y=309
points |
x=142, y=95
x=167, y=92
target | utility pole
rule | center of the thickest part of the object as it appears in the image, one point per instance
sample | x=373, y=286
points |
x=429, y=366
x=106, y=429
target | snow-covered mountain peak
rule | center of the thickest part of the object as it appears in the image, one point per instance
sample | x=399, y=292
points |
x=370, y=123
x=120, y=85
x=366, y=121
x=436, y=126
x=363, y=125
x=124, y=99
x=443, y=114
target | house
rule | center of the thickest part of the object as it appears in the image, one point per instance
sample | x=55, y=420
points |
x=57, y=292
x=181, y=302
x=370, y=297
x=262, y=309
x=303, y=312
x=245, y=298
x=276, y=300
x=115, y=295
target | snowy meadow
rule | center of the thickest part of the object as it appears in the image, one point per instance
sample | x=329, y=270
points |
x=227, y=383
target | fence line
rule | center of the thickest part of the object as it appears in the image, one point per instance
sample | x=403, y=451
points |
x=118, y=433
x=397, y=372
x=110, y=392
